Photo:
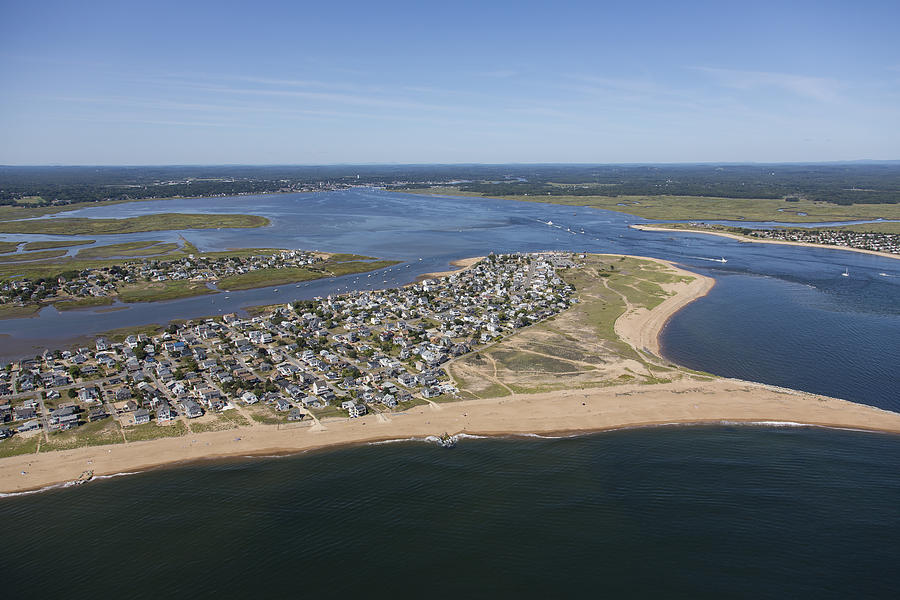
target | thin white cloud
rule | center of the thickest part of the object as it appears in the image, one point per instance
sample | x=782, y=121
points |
x=822, y=89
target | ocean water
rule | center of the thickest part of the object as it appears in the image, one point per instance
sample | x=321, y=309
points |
x=686, y=512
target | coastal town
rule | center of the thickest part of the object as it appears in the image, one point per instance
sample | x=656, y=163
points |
x=340, y=356
x=863, y=240
x=107, y=281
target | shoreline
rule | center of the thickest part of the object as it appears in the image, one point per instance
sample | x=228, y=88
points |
x=684, y=402
x=742, y=238
x=641, y=328
x=718, y=402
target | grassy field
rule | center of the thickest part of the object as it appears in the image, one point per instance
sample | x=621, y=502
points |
x=578, y=348
x=157, y=222
x=152, y=431
x=127, y=249
x=98, y=433
x=51, y=245
x=19, y=444
x=228, y=419
x=703, y=208
x=266, y=415
x=27, y=256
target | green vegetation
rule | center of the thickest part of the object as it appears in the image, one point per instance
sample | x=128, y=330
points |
x=19, y=444
x=27, y=256
x=578, y=348
x=156, y=222
x=50, y=245
x=98, y=433
x=152, y=431
x=266, y=415
x=218, y=422
x=127, y=249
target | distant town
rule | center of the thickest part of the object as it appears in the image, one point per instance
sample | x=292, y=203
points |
x=340, y=356
x=863, y=240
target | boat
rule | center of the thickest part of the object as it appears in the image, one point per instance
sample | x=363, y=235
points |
x=846, y=273
x=884, y=274
x=723, y=260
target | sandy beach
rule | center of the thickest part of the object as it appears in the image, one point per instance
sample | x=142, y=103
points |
x=641, y=328
x=549, y=413
x=577, y=410
x=743, y=238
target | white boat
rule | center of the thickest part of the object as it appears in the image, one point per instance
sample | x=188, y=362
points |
x=846, y=273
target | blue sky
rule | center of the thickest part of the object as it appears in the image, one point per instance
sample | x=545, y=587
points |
x=411, y=82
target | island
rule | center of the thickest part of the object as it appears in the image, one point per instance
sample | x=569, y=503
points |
x=512, y=344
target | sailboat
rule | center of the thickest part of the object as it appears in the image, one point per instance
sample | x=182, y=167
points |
x=846, y=273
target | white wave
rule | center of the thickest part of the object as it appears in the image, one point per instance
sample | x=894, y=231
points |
x=37, y=491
